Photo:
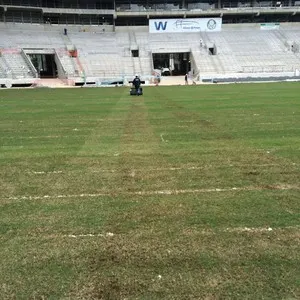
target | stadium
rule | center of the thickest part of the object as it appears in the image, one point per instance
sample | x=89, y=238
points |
x=109, y=41
x=189, y=190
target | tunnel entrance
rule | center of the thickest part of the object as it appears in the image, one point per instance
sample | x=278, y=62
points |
x=44, y=64
x=172, y=64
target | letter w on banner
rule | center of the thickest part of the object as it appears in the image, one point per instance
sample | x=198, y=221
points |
x=160, y=25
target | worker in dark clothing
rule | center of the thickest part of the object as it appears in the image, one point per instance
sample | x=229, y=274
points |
x=186, y=79
x=137, y=83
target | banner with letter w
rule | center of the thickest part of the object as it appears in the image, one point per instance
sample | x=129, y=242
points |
x=184, y=25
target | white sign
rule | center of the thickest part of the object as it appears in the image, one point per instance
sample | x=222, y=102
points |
x=184, y=25
x=269, y=26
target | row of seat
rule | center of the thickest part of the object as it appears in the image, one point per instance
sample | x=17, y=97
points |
x=109, y=54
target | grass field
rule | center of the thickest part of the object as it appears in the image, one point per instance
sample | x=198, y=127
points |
x=183, y=193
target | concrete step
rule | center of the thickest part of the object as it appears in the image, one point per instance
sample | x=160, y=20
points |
x=52, y=83
x=173, y=80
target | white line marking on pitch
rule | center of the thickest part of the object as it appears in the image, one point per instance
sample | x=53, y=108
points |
x=46, y=172
x=249, y=229
x=204, y=231
x=233, y=229
x=163, y=169
x=270, y=123
x=162, y=138
x=44, y=136
x=108, y=234
x=158, y=192
x=259, y=229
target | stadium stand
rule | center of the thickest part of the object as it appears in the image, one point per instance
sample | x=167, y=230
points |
x=18, y=65
x=250, y=50
x=2, y=69
x=104, y=40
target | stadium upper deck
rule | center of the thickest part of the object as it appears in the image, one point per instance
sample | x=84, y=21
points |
x=146, y=4
x=137, y=12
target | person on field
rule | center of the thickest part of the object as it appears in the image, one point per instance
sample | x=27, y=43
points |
x=137, y=83
x=186, y=79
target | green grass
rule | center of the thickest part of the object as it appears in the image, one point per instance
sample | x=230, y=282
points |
x=165, y=196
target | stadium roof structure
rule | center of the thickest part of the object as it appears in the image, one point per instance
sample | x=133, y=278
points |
x=137, y=12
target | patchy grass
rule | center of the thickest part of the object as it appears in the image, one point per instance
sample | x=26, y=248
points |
x=183, y=193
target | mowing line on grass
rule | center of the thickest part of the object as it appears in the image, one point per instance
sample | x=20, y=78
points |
x=280, y=187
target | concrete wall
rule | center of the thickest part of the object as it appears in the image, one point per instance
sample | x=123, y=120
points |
x=61, y=72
